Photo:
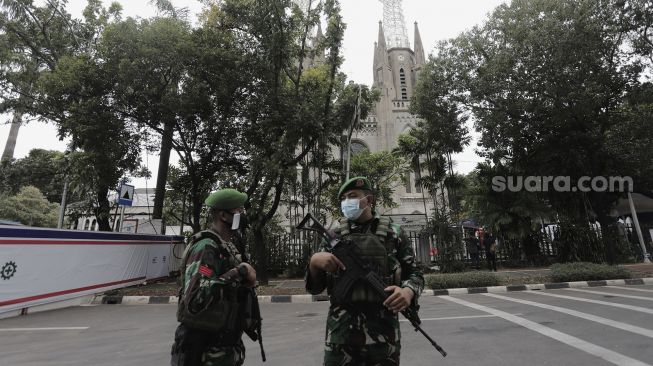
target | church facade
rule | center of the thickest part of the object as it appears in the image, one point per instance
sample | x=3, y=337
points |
x=396, y=67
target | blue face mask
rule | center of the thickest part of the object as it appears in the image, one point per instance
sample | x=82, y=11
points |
x=351, y=208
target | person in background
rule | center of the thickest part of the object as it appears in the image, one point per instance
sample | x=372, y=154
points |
x=473, y=248
x=490, y=243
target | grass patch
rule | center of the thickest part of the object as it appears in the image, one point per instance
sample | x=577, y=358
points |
x=461, y=280
x=583, y=271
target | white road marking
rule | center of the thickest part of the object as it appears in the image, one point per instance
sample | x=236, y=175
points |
x=592, y=349
x=619, y=325
x=611, y=294
x=630, y=288
x=454, y=318
x=607, y=303
x=40, y=329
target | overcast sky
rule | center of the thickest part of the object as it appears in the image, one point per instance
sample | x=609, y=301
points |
x=438, y=20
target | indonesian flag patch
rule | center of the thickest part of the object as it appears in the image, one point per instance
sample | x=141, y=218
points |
x=206, y=271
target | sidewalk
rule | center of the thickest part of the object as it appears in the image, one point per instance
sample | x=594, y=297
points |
x=289, y=287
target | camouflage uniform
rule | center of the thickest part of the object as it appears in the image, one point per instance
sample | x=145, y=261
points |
x=364, y=332
x=201, y=284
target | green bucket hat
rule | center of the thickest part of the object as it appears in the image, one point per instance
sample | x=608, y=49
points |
x=355, y=183
x=226, y=199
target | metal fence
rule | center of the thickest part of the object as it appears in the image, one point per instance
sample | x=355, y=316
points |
x=291, y=252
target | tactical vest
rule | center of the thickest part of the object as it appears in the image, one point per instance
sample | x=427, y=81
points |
x=379, y=249
x=221, y=313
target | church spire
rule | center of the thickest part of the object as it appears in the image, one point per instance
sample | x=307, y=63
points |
x=395, y=25
x=380, y=56
x=381, y=41
x=319, y=34
x=420, y=56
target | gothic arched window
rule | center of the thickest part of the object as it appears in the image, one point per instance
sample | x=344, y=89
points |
x=402, y=78
x=358, y=147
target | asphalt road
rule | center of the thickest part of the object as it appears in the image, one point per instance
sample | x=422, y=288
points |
x=595, y=326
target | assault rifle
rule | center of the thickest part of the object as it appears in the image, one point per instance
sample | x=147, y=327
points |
x=253, y=320
x=250, y=311
x=358, y=269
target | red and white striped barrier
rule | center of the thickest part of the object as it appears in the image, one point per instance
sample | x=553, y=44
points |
x=43, y=266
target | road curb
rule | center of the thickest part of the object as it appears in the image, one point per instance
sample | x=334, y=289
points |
x=285, y=299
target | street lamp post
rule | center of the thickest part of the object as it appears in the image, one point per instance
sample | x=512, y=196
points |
x=638, y=228
x=355, y=120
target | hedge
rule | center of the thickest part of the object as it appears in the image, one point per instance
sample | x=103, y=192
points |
x=584, y=271
x=461, y=280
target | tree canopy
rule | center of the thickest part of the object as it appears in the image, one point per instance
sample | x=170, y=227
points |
x=29, y=207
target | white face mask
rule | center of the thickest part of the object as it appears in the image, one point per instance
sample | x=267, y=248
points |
x=351, y=208
x=235, y=224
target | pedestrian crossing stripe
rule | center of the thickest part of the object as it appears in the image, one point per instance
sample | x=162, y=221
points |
x=590, y=348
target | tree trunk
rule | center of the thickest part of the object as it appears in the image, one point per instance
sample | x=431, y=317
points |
x=162, y=176
x=103, y=211
x=10, y=146
x=197, y=214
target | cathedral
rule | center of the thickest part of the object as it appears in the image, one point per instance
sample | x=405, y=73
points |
x=396, y=67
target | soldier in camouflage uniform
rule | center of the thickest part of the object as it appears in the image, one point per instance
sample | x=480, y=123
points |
x=213, y=268
x=364, y=330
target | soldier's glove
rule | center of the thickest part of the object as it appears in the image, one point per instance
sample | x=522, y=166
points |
x=234, y=275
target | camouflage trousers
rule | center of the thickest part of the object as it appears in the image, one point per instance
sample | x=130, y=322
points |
x=224, y=356
x=191, y=349
x=378, y=354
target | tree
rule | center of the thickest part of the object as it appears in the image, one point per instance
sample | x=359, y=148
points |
x=440, y=133
x=630, y=142
x=314, y=185
x=637, y=19
x=546, y=82
x=385, y=170
x=289, y=113
x=29, y=207
x=190, y=85
x=56, y=75
x=42, y=169
x=150, y=58
x=77, y=96
x=32, y=39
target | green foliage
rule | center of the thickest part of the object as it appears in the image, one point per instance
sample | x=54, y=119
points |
x=440, y=132
x=509, y=214
x=198, y=107
x=461, y=280
x=42, y=169
x=29, y=207
x=556, y=88
x=583, y=271
x=544, y=81
x=384, y=169
x=287, y=113
x=54, y=72
x=576, y=243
